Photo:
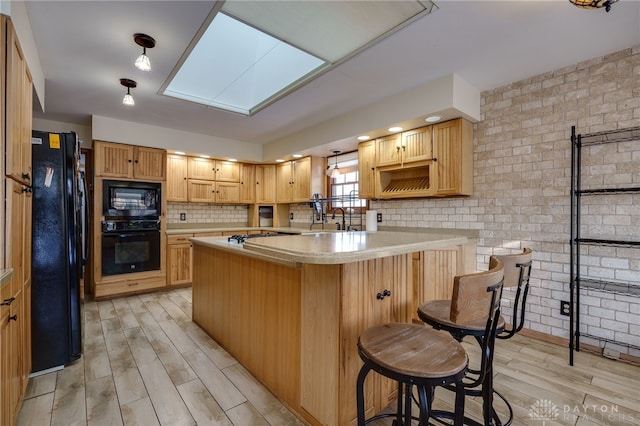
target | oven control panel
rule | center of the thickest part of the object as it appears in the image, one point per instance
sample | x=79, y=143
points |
x=130, y=225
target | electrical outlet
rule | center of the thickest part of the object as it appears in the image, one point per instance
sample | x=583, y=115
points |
x=183, y=216
x=379, y=217
x=291, y=216
x=565, y=308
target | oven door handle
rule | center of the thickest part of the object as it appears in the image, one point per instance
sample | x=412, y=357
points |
x=130, y=234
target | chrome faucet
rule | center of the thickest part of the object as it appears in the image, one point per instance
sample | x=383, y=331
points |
x=344, y=223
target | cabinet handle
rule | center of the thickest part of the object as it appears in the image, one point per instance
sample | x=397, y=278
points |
x=385, y=293
x=133, y=284
x=13, y=317
x=26, y=176
x=7, y=302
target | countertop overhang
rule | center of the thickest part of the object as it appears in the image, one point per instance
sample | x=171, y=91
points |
x=327, y=248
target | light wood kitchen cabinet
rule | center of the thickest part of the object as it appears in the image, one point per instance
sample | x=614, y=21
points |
x=265, y=183
x=227, y=171
x=18, y=108
x=406, y=147
x=453, y=149
x=367, y=170
x=210, y=169
x=297, y=180
x=213, y=181
x=227, y=192
x=15, y=308
x=247, y=183
x=177, y=184
x=179, y=259
x=202, y=191
x=130, y=162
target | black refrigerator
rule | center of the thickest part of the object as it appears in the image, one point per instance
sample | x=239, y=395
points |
x=56, y=252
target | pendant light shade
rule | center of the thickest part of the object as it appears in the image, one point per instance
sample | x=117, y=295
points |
x=335, y=171
x=142, y=62
x=594, y=4
x=128, y=99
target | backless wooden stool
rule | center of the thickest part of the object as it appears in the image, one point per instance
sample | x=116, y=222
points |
x=414, y=355
x=440, y=315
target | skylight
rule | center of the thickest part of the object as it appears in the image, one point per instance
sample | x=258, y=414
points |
x=254, y=52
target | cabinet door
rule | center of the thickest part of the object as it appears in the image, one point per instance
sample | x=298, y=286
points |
x=452, y=147
x=301, y=178
x=202, y=191
x=15, y=237
x=266, y=183
x=149, y=163
x=366, y=169
x=6, y=359
x=18, y=111
x=284, y=175
x=180, y=266
x=247, y=183
x=176, y=178
x=227, y=171
x=227, y=192
x=113, y=160
x=201, y=168
x=388, y=150
x=416, y=145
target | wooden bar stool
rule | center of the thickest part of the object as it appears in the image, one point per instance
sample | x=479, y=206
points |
x=442, y=315
x=414, y=355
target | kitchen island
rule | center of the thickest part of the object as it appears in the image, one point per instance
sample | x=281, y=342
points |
x=291, y=308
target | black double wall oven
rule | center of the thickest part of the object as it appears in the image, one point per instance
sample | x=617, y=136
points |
x=131, y=227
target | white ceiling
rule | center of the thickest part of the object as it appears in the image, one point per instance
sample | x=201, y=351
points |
x=85, y=47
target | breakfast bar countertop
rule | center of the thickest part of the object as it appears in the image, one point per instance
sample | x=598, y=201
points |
x=336, y=247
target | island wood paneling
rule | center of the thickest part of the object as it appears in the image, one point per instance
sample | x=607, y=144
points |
x=252, y=308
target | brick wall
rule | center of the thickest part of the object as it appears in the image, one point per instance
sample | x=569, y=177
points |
x=521, y=195
x=207, y=213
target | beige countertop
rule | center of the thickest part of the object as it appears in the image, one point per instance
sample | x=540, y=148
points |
x=204, y=228
x=336, y=247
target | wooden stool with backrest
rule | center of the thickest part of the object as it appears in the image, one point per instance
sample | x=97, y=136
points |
x=439, y=314
x=415, y=355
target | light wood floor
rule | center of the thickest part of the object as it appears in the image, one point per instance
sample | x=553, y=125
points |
x=146, y=363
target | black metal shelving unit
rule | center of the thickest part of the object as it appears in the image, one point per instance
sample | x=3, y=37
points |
x=577, y=280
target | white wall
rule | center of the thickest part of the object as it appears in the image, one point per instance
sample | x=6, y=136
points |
x=112, y=130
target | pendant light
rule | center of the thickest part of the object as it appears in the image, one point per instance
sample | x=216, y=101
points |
x=145, y=41
x=128, y=99
x=594, y=4
x=334, y=172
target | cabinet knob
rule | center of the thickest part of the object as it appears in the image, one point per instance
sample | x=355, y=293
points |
x=13, y=317
x=8, y=302
x=27, y=189
x=136, y=161
x=435, y=159
x=385, y=293
x=129, y=161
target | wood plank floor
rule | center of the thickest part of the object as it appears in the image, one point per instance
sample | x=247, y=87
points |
x=146, y=363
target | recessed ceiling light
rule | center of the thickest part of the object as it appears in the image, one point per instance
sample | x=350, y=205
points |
x=297, y=155
x=279, y=160
x=433, y=118
x=204, y=156
x=395, y=129
x=180, y=153
x=364, y=138
x=232, y=159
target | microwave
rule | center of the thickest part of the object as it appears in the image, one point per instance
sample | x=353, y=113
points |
x=128, y=199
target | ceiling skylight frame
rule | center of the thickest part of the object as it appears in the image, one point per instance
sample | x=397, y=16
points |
x=428, y=6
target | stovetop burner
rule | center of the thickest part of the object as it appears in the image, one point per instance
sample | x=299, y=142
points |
x=239, y=239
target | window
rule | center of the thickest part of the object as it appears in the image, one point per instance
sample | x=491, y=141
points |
x=344, y=187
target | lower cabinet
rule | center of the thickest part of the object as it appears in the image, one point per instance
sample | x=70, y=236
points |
x=179, y=259
x=133, y=283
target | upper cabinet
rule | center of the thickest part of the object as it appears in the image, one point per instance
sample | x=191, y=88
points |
x=209, y=169
x=128, y=161
x=367, y=169
x=177, y=178
x=265, y=183
x=431, y=161
x=297, y=180
x=18, y=109
x=247, y=183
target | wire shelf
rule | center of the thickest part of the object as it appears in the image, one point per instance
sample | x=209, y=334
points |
x=612, y=136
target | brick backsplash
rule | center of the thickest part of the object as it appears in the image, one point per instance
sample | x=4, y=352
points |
x=521, y=195
x=207, y=213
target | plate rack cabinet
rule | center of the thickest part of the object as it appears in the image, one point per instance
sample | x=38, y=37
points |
x=598, y=187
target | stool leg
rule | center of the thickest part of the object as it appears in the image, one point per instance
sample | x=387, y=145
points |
x=407, y=404
x=360, y=393
x=425, y=405
x=458, y=414
x=399, y=408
